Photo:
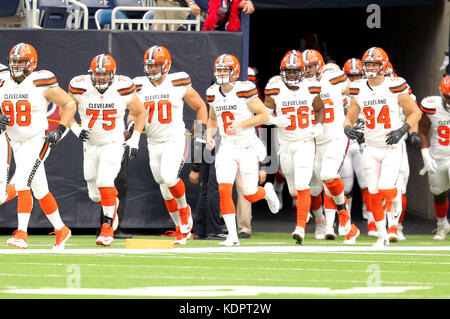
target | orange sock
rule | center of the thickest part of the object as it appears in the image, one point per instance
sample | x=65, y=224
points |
x=226, y=199
x=260, y=194
x=179, y=189
x=376, y=206
x=24, y=201
x=388, y=195
x=441, y=209
x=108, y=196
x=171, y=205
x=48, y=204
x=303, y=205
x=316, y=202
x=328, y=202
x=404, y=202
x=336, y=186
x=365, y=198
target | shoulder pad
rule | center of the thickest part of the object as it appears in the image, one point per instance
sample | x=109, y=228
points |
x=246, y=89
x=428, y=104
x=337, y=77
x=125, y=85
x=273, y=86
x=180, y=79
x=78, y=85
x=44, y=78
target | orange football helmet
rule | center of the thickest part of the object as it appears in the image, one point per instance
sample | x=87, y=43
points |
x=313, y=57
x=227, y=62
x=102, y=71
x=292, y=69
x=444, y=87
x=378, y=56
x=353, y=69
x=157, y=55
x=18, y=55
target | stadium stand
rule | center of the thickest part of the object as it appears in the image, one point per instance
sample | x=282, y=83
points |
x=9, y=8
x=52, y=14
x=93, y=6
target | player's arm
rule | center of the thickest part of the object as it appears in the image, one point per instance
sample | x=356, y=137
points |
x=138, y=110
x=211, y=128
x=350, y=120
x=194, y=100
x=410, y=109
x=319, y=109
x=424, y=129
x=60, y=97
x=261, y=116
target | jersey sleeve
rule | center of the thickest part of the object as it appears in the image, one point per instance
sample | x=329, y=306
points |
x=247, y=90
x=138, y=82
x=126, y=87
x=427, y=105
x=45, y=79
x=354, y=88
x=273, y=86
x=210, y=96
x=77, y=85
x=398, y=86
x=314, y=86
x=181, y=79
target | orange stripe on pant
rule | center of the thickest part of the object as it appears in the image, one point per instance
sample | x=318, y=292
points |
x=24, y=201
x=48, y=204
x=226, y=199
x=260, y=194
x=108, y=196
x=303, y=205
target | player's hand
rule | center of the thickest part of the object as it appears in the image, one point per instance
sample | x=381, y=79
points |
x=210, y=143
x=84, y=135
x=283, y=120
x=318, y=130
x=353, y=133
x=195, y=9
x=54, y=137
x=81, y=133
x=133, y=143
x=235, y=126
x=428, y=162
x=414, y=140
x=4, y=121
x=393, y=137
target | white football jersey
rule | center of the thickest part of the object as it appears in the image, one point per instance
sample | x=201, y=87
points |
x=103, y=114
x=331, y=95
x=232, y=106
x=295, y=103
x=164, y=104
x=440, y=126
x=25, y=104
x=379, y=105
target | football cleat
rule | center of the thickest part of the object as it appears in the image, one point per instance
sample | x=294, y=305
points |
x=181, y=238
x=19, y=239
x=106, y=236
x=344, y=222
x=393, y=234
x=272, y=198
x=61, y=237
x=229, y=242
x=372, y=229
x=321, y=229
x=185, y=219
x=381, y=242
x=443, y=228
x=298, y=235
x=354, y=233
x=329, y=234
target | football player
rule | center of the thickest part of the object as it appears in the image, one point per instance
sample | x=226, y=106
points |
x=293, y=99
x=332, y=145
x=235, y=110
x=26, y=94
x=102, y=98
x=434, y=130
x=380, y=99
x=353, y=160
x=164, y=95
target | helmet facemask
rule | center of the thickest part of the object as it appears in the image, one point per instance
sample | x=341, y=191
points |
x=311, y=70
x=372, y=71
x=446, y=101
x=221, y=76
x=18, y=67
x=102, y=79
x=292, y=76
x=152, y=74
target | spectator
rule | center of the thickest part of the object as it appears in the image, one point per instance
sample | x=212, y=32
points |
x=224, y=14
x=174, y=15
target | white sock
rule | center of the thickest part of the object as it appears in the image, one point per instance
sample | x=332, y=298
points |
x=55, y=219
x=318, y=214
x=370, y=217
x=24, y=218
x=230, y=222
x=176, y=218
x=381, y=228
x=330, y=215
x=108, y=211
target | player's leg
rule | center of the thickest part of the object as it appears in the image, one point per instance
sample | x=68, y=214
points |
x=7, y=191
x=401, y=201
x=439, y=185
x=226, y=169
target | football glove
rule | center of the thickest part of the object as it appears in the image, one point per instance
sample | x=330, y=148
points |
x=353, y=133
x=393, y=137
x=133, y=143
x=4, y=121
x=54, y=137
x=81, y=133
x=428, y=162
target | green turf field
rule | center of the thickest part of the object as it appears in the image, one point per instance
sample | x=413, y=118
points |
x=269, y=265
